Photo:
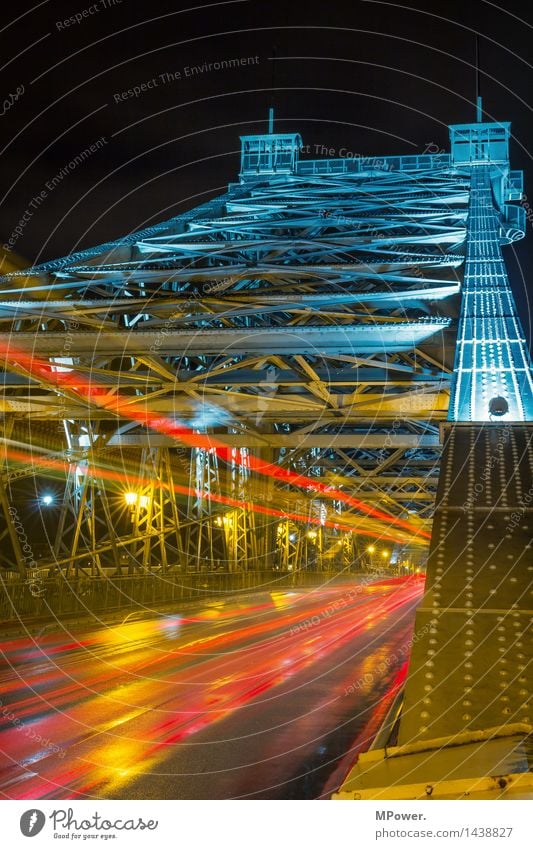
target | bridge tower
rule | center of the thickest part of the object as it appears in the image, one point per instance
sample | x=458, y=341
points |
x=465, y=723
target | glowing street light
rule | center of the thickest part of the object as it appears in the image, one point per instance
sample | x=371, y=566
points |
x=371, y=549
x=384, y=553
x=47, y=500
x=133, y=498
x=312, y=534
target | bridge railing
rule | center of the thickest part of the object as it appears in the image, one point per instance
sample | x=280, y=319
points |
x=56, y=597
x=356, y=164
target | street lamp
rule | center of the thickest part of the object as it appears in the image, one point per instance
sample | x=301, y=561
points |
x=133, y=498
x=47, y=500
x=371, y=549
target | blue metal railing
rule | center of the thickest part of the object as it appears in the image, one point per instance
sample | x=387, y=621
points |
x=357, y=164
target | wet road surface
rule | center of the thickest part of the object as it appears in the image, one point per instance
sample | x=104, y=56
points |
x=264, y=696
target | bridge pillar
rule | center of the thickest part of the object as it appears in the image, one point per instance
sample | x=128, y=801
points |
x=466, y=714
x=472, y=635
x=465, y=725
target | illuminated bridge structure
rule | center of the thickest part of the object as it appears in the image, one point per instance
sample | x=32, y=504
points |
x=264, y=385
x=465, y=727
x=303, y=321
x=257, y=383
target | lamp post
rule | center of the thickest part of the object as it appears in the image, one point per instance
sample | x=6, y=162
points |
x=311, y=549
x=134, y=499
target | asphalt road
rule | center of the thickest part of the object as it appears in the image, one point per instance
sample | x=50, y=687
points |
x=264, y=696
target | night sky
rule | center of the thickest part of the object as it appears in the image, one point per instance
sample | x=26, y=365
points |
x=370, y=77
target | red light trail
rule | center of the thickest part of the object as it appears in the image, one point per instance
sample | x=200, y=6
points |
x=18, y=456
x=122, y=407
x=109, y=707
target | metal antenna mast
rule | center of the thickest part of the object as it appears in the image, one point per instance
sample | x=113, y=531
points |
x=479, y=100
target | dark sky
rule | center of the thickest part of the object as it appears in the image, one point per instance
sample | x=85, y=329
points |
x=371, y=77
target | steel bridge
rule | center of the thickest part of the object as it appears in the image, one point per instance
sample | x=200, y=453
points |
x=255, y=383
x=261, y=378
x=266, y=383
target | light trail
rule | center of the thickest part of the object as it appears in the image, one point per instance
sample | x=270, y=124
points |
x=116, y=705
x=122, y=407
x=19, y=456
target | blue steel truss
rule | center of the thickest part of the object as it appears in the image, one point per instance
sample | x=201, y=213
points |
x=493, y=376
x=309, y=311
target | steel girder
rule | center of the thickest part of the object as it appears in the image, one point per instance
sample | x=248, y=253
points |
x=296, y=307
